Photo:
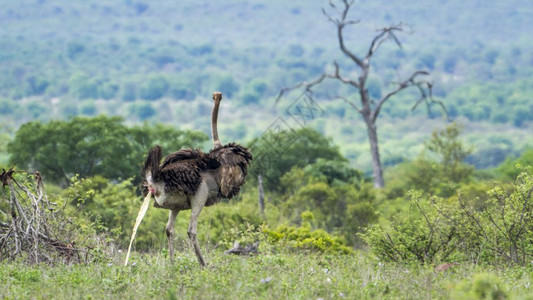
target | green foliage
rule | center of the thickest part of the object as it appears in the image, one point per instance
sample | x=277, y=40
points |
x=275, y=153
x=451, y=152
x=304, y=238
x=90, y=146
x=80, y=146
x=74, y=48
x=129, y=91
x=36, y=86
x=114, y=207
x=511, y=167
x=335, y=195
x=7, y=106
x=504, y=225
x=108, y=90
x=437, y=172
x=484, y=286
x=422, y=235
x=490, y=101
x=225, y=223
x=334, y=172
x=4, y=139
x=496, y=230
x=88, y=108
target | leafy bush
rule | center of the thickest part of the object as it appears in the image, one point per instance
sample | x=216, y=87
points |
x=422, y=236
x=339, y=202
x=497, y=230
x=504, y=226
x=303, y=238
x=114, y=208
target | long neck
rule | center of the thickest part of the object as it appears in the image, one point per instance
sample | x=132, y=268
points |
x=214, y=130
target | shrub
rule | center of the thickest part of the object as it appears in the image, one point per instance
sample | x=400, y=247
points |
x=422, y=236
x=42, y=229
x=497, y=230
x=504, y=226
x=303, y=238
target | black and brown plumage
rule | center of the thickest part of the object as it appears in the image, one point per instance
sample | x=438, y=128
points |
x=191, y=179
x=234, y=160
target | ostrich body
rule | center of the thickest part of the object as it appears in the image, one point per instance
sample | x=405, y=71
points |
x=191, y=179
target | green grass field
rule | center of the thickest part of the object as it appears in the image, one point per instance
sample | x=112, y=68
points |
x=264, y=276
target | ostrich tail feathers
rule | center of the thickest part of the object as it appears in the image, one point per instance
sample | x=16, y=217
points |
x=151, y=166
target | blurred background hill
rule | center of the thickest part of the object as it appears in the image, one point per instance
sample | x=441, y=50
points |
x=159, y=61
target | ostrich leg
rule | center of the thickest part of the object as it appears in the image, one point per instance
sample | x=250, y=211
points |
x=197, y=203
x=170, y=232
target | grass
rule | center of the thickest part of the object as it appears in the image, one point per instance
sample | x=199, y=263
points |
x=265, y=276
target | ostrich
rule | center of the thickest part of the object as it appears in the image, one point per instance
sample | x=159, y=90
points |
x=191, y=179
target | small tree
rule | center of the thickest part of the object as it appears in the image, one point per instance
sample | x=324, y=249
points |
x=452, y=152
x=369, y=104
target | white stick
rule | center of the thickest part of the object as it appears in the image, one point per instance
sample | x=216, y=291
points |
x=140, y=216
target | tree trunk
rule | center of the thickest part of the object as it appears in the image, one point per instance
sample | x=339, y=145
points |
x=374, y=150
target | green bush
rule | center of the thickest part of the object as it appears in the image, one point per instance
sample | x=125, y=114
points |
x=114, y=207
x=339, y=202
x=303, y=238
x=496, y=230
x=423, y=235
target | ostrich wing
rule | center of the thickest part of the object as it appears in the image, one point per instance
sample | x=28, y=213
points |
x=234, y=160
x=181, y=171
x=182, y=155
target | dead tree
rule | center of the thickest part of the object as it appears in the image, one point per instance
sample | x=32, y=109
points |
x=368, y=107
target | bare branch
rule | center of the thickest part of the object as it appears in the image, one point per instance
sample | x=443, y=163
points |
x=337, y=75
x=401, y=86
x=340, y=24
x=385, y=34
x=334, y=21
x=428, y=98
x=307, y=85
